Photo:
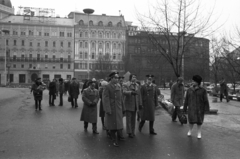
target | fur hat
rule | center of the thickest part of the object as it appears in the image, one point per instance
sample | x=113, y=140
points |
x=197, y=79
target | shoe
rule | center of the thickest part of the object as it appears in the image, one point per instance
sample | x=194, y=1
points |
x=95, y=132
x=40, y=109
x=115, y=144
x=76, y=106
x=121, y=138
x=199, y=136
x=53, y=104
x=85, y=129
x=189, y=133
x=130, y=136
x=153, y=133
x=174, y=121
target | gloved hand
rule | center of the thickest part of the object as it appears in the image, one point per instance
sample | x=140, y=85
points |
x=134, y=93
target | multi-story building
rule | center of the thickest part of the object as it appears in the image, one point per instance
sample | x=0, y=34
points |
x=6, y=8
x=97, y=36
x=144, y=57
x=38, y=46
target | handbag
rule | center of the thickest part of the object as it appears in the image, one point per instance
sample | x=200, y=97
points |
x=69, y=98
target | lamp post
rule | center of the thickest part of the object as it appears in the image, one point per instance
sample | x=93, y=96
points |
x=88, y=11
x=5, y=56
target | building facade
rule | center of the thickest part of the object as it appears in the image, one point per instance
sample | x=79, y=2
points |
x=98, y=36
x=36, y=47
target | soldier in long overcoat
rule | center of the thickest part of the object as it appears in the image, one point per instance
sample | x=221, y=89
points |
x=149, y=103
x=132, y=101
x=74, y=92
x=90, y=99
x=113, y=107
x=177, y=96
x=196, y=102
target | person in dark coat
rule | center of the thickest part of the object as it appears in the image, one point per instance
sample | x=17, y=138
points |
x=74, y=92
x=223, y=90
x=101, y=111
x=66, y=86
x=37, y=89
x=113, y=107
x=170, y=84
x=85, y=85
x=132, y=102
x=52, y=92
x=61, y=90
x=177, y=96
x=149, y=103
x=90, y=99
x=196, y=102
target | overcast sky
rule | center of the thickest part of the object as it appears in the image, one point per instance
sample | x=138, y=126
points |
x=228, y=11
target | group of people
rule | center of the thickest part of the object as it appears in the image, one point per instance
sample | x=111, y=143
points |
x=129, y=99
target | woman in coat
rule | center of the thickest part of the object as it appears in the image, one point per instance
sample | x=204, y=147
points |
x=113, y=106
x=90, y=99
x=37, y=89
x=196, y=103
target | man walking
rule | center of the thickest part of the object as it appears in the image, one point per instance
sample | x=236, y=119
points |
x=61, y=90
x=150, y=102
x=52, y=92
x=177, y=96
x=223, y=90
x=74, y=92
x=196, y=103
x=132, y=101
x=113, y=107
x=90, y=99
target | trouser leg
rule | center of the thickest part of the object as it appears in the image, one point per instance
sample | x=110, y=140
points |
x=85, y=125
x=50, y=103
x=72, y=101
x=102, y=119
x=174, y=115
x=151, y=123
x=94, y=126
x=36, y=104
x=226, y=94
x=39, y=104
x=61, y=98
x=113, y=135
x=76, y=105
x=133, y=122
x=221, y=97
x=128, y=122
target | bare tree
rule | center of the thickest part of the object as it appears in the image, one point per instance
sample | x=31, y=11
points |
x=177, y=22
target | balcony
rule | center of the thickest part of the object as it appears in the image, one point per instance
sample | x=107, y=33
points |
x=35, y=59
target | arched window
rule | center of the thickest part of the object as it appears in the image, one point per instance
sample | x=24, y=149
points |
x=90, y=23
x=93, y=55
x=80, y=34
x=100, y=23
x=100, y=35
x=80, y=55
x=114, y=56
x=100, y=46
x=81, y=22
x=119, y=56
x=108, y=35
x=81, y=45
x=114, y=35
x=119, y=35
x=86, y=44
x=86, y=34
x=93, y=34
x=119, y=24
x=93, y=45
x=114, y=46
x=119, y=46
x=108, y=46
x=110, y=24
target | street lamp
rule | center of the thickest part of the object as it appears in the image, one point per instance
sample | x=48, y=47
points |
x=5, y=55
x=88, y=11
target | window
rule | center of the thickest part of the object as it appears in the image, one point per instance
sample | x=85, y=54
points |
x=108, y=46
x=22, y=78
x=100, y=35
x=69, y=44
x=30, y=56
x=69, y=66
x=93, y=45
x=86, y=55
x=46, y=66
x=114, y=56
x=81, y=22
x=23, y=43
x=23, y=33
x=53, y=67
x=69, y=57
x=86, y=45
x=61, y=66
x=100, y=23
x=38, y=57
x=93, y=34
x=119, y=46
x=119, y=35
x=46, y=43
x=119, y=24
x=22, y=66
x=53, y=56
x=80, y=55
x=38, y=44
x=46, y=34
x=46, y=56
x=110, y=24
x=114, y=46
x=30, y=65
x=61, y=34
x=69, y=34
x=93, y=55
x=14, y=65
x=61, y=43
x=86, y=34
x=15, y=32
x=6, y=42
x=114, y=35
x=39, y=33
x=54, y=33
x=54, y=44
x=80, y=34
x=90, y=23
x=81, y=45
x=30, y=43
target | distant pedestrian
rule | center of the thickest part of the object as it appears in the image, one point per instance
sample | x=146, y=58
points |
x=74, y=92
x=132, y=102
x=177, y=96
x=101, y=110
x=113, y=107
x=90, y=99
x=52, y=92
x=170, y=84
x=61, y=90
x=66, y=86
x=196, y=103
x=223, y=90
x=150, y=102
x=37, y=89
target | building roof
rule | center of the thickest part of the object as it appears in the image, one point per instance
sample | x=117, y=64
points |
x=19, y=19
x=6, y=3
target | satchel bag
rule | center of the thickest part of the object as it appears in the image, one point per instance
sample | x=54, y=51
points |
x=69, y=98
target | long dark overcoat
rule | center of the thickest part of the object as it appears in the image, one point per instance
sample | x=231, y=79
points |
x=52, y=88
x=177, y=94
x=196, y=102
x=37, y=91
x=74, y=90
x=89, y=112
x=101, y=111
x=113, y=106
x=149, y=101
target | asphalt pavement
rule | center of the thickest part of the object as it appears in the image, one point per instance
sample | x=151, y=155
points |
x=56, y=132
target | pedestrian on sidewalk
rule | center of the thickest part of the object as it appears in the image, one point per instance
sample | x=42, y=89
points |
x=90, y=99
x=177, y=96
x=37, y=89
x=223, y=90
x=170, y=84
x=149, y=102
x=196, y=103
x=132, y=102
x=101, y=111
x=74, y=92
x=52, y=92
x=113, y=107
x=61, y=91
